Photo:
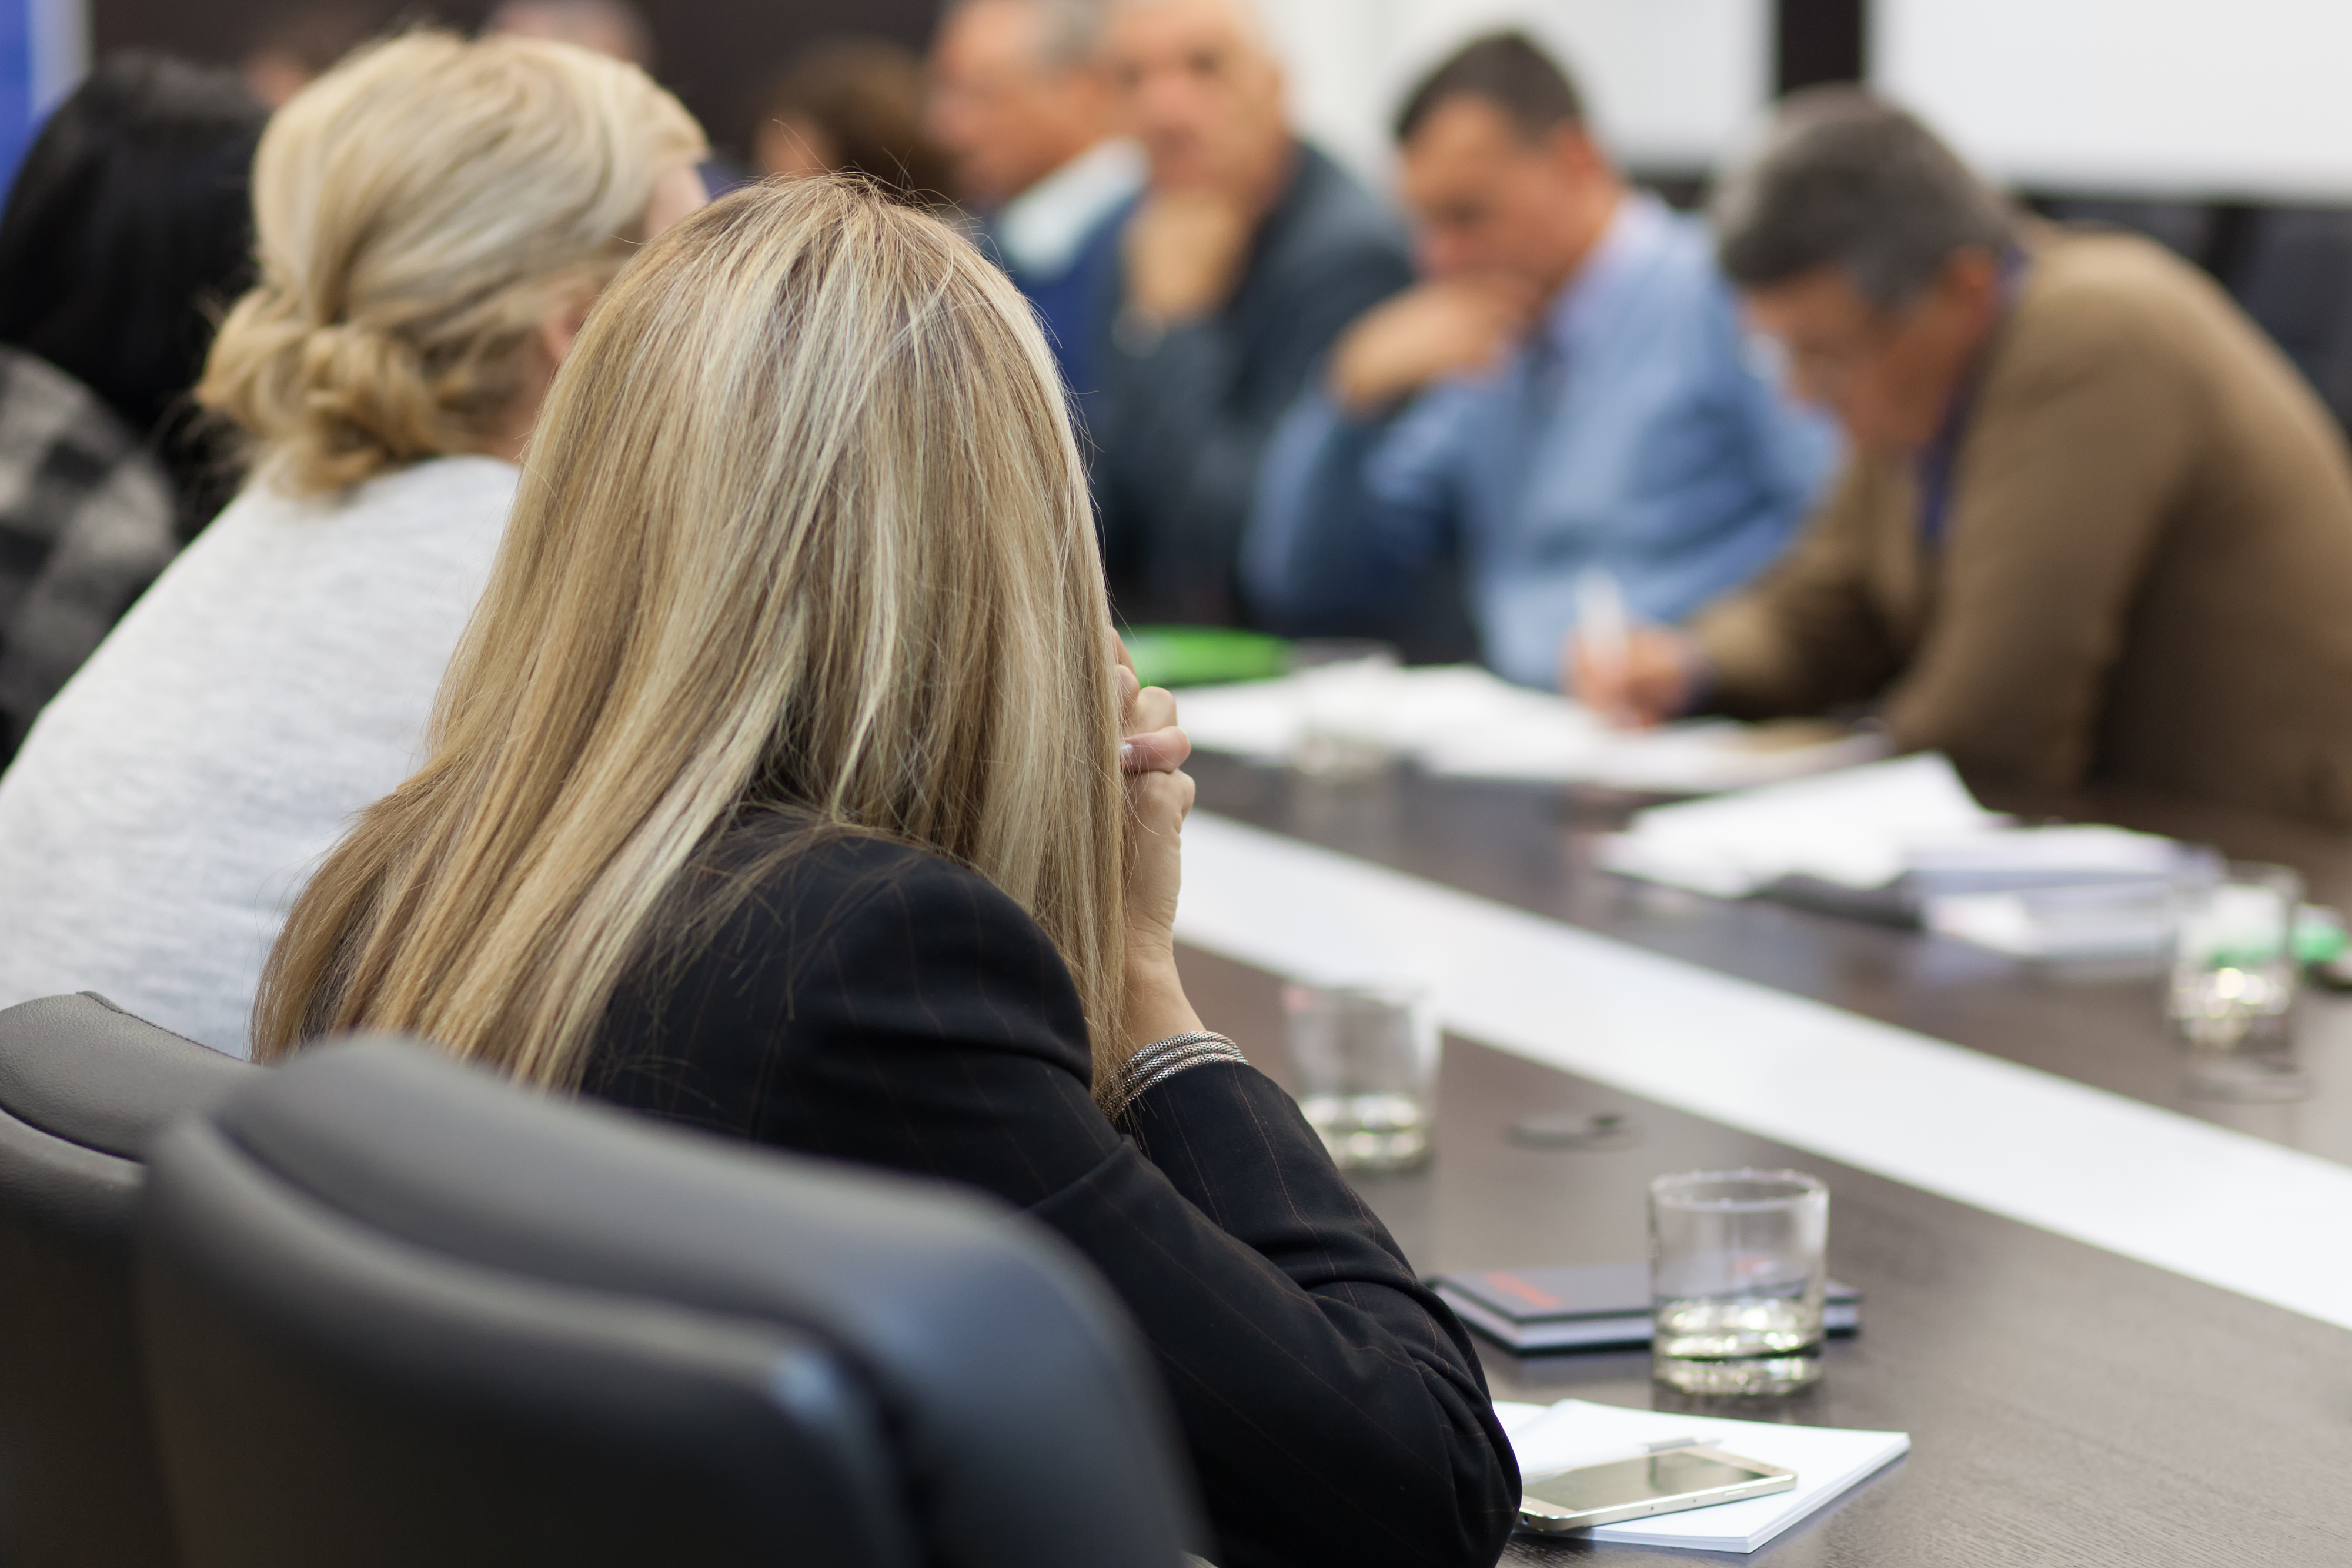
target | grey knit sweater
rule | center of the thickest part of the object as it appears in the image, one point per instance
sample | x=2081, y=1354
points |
x=171, y=801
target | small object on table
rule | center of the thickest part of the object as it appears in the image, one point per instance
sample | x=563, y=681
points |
x=1672, y=1480
x=1829, y=1461
x=1346, y=689
x=1366, y=1059
x=1204, y=655
x=1584, y=1306
x=2324, y=948
x=1606, y=1130
x=2232, y=993
x=1738, y=1279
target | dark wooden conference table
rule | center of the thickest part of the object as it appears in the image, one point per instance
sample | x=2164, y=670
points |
x=2066, y=1406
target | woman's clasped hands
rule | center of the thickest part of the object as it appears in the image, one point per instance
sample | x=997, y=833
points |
x=1152, y=754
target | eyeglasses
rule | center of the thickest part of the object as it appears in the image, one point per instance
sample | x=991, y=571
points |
x=1827, y=364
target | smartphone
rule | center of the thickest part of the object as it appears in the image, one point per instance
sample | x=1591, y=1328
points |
x=1667, y=1482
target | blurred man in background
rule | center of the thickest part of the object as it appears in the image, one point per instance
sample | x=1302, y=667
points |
x=1022, y=106
x=853, y=105
x=294, y=44
x=2094, y=529
x=610, y=27
x=1248, y=254
x=1569, y=390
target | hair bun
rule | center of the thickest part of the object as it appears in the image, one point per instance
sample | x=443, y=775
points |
x=441, y=193
x=364, y=393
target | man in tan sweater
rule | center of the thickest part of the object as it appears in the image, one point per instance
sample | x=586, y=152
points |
x=2094, y=530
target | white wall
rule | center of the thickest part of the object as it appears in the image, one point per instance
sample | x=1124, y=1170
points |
x=1672, y=84
x=2186, y=97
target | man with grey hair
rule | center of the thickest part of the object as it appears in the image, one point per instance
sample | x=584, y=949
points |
x=1249, y=252
x=612, y=27
x=1020, y=102
x=2094, y=531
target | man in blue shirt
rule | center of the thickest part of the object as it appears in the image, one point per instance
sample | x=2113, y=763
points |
x=1570, y=390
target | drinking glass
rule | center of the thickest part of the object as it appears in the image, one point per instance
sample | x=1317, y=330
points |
x=1737, y=1264
x=1346, y=689
x=2234, y=975
x=1366, y=1059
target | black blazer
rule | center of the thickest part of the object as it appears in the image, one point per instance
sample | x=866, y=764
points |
x=875, y=1003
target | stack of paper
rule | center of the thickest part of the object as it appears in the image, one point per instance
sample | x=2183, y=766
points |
x=1460, y=720
x=1910, y=828
x=2074, y=856
x=1855, y=828
x=1828, y=1460
x=2059, y=892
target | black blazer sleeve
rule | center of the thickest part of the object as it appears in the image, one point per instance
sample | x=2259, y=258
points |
x=880, y=1005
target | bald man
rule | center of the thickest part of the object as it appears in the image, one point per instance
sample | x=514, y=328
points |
x=1248, y=255
x=1018, y=100
x=612, y=27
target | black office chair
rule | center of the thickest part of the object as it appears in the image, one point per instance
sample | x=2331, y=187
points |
x=397, y=1312
x=84, y=1089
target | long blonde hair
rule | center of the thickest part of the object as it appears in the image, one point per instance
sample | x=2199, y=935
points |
x=803, y=525
x=416, y=211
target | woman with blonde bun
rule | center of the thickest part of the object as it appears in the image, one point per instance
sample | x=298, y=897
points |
x=786, y=786
x=434, y=218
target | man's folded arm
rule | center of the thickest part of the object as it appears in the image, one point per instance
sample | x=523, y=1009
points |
x=1198, y=432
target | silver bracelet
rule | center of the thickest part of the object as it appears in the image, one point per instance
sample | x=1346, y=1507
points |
x=1162, y=1060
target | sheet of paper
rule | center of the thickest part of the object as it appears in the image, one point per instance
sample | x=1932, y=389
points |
x=1829, y=1460
x=1460, y=720
x=1855, y=827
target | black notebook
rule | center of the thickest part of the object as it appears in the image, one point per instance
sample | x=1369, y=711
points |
x=1590, y=1306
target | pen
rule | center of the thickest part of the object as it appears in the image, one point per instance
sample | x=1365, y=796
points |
x=1602, y=631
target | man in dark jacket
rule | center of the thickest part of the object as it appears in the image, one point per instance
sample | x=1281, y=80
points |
x=1248, y=255
x=1019, y=101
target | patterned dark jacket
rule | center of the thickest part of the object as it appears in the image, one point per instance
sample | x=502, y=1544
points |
x=874, y=1003
x=86, y=524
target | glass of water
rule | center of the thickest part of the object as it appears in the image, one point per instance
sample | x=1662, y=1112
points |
x=2234, y=977
x=1738, y=1263
x=1346, y=688
x=1366, y=1059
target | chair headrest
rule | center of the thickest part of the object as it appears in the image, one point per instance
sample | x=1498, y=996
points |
x=82, y=1070
x=968, y=1320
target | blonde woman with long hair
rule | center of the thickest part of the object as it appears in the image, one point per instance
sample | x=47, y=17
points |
x=434, y=218
x=779, y=789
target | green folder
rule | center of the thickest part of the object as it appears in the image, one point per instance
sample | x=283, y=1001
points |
x=1204, y=655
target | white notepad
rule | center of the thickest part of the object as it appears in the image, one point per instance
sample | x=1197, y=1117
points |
x=1828, y=1460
